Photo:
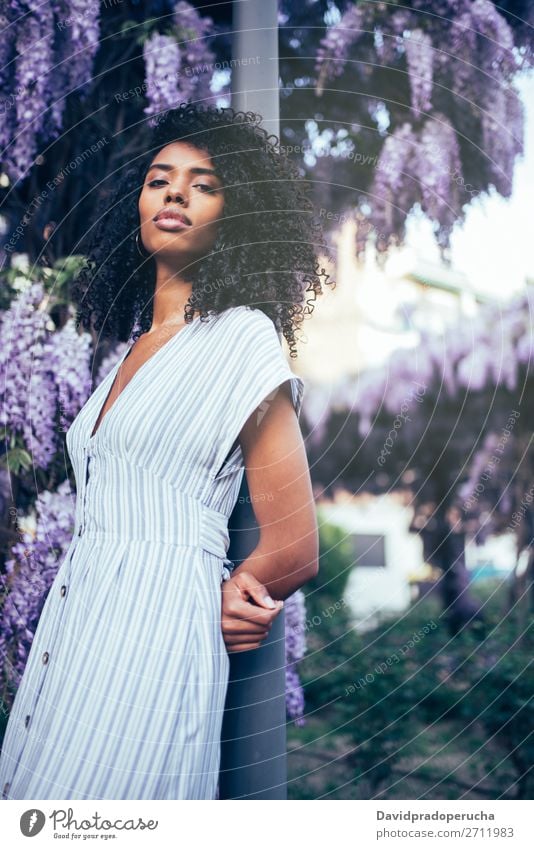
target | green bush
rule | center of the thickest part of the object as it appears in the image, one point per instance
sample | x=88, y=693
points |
x=500, y=698
x=382, y=690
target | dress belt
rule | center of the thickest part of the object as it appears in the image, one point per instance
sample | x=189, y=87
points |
x=210, y=534
x=164, y=514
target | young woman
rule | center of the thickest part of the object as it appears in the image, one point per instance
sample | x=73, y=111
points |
x=205, y=251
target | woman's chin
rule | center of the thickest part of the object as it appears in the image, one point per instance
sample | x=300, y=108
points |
x=173, y=252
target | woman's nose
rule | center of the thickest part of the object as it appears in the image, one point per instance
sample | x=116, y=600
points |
x=176, y=194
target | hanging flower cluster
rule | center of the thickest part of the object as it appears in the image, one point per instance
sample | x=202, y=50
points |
x=420, y=166
x=295, y=617
x=178, y=66
x=459, y=60
x=419, y=60
x=335, y=47
x=489, y=351
x=30, y=572
x=44, y=376
x=46, y=52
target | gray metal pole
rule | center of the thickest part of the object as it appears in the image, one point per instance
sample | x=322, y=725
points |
x=253, y=744
x=255, y=73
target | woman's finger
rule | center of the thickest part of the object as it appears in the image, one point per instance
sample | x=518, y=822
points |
x=243, y=626
x=252, y=588
x=238, y=608
x=243, y=629
x=243, y=647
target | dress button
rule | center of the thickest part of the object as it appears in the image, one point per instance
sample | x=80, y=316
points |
x=27, y=721
x=6, y=788
x=45, y=657
x=63, y=590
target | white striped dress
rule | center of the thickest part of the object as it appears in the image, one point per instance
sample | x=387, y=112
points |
x=123, y=692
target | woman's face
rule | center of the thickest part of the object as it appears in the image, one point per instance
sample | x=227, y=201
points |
x=181, y=204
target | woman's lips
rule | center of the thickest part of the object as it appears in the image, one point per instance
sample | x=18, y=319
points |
x=168, y=223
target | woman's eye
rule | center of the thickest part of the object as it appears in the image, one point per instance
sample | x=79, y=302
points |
x=206, y=187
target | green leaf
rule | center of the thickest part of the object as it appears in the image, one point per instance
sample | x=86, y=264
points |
x=16, y=459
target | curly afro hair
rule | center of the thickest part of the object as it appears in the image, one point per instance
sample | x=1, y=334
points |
x=264, y=255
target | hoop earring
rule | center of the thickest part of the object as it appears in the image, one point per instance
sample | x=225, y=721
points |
x=139, y=251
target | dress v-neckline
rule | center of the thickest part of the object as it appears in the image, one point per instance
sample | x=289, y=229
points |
x=143, y=366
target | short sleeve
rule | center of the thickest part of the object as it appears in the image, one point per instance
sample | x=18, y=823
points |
x=259, y=368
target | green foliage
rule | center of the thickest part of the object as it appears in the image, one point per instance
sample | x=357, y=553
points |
x=56, y=279
x=386, y=693
x=375, y=684
x=16, y=460
x=500, y=695
x=335, y=560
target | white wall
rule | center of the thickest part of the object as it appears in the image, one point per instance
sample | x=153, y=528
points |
x=371, y=590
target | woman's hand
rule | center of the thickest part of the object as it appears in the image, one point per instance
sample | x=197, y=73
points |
x=247, y=612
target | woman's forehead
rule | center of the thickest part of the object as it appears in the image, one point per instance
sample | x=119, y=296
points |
x=180, y=153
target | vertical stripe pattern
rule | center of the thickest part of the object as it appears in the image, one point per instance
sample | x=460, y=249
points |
x=123, y=692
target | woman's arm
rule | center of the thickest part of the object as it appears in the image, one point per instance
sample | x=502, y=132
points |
x=278, y=478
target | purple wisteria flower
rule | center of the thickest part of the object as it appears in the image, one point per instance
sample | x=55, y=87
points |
x=34, y=60
x=162, y=67
x=30, y=572
x=193, y=33
x=178, y=67
x=295, y=618
x=77, y=25
x=68, y=358
x=22, y=335
x=420, y=61
x=460, y=62
x=44, y=376
x=335, y=47
x=47, y=52
x=476, y=354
